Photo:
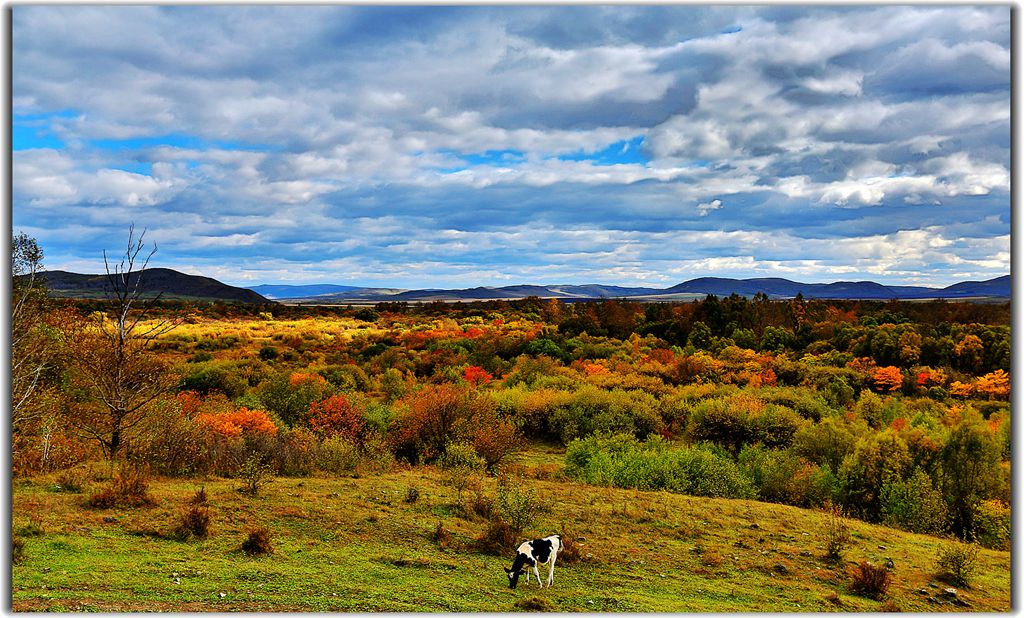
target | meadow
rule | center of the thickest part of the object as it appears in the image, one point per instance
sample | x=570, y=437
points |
x=720, y=455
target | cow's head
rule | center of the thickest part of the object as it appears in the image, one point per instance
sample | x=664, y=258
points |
x=513, y=576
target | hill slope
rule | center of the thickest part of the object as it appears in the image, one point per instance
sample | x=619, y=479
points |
x=170, y=284
x=357, y=544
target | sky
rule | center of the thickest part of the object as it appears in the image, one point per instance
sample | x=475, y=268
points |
x=457, y=146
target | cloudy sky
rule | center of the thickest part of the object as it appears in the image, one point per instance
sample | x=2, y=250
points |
x=463, y=146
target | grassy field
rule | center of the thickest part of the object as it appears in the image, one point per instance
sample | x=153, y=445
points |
x=357, y=544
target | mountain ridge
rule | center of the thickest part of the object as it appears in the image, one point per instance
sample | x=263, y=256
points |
x=773, y=287
x=172, y=284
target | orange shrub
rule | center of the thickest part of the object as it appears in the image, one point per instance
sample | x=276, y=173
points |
x=995, y=385
x=887, y=378
x=237, y=422
x=961, y=389
x=336, y=416
x=190, y=402
x=299, y=378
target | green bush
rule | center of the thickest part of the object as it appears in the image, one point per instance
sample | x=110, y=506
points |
x=992, y=524
x=957, y=562
x=623, y=461
x=782, y=476
x=803, y=401
x=592, y=409
x=337, y=455
x=346, y=378
x=876, y=459
x=913, y=504
x=825, y=443
x=214, y=376
x=291, y=403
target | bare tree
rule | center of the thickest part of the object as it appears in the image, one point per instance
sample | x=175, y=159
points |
x=115, y=357
x=29, y=349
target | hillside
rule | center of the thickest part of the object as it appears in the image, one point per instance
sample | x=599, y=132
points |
x=360, y=544
x=169, y=284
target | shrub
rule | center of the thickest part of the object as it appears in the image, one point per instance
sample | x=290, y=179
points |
x=780, y=476
x=199, y=497
x=971, y=473
x=255, y=473
x=535, y=604
x=72, y=480
x=296, y=452
x=130, y=488
x=476, y=375
x=494, y=438
x=194, y=521
x=460, y=455
x=336, y=416
x=887, y=379
x=498, y=538
x=870, y=580
x=876, y=459
x=236, y=422
x=337, y=456
x=442, y=537
x=289, y=395
x=992, y=524
x=435, y=416
x=622, y=461
x=268, y=352
x=570, y=552
x=824, y=443
x=258, y=542
x=460, y=464
x=347, y=378
x=17, y=549
x=171, y=442
x=412, y=495
x=913, y=504
x=517, y=505
x=837, y=534
x=957, y=562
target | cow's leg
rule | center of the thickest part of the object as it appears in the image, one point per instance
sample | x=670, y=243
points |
x=536, y=572
x=551, y=571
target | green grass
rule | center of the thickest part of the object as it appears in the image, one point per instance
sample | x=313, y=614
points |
x=354, y=544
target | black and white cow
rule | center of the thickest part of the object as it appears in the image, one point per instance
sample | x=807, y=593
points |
x=532, y=553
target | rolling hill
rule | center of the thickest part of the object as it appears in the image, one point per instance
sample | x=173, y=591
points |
x=169, y=284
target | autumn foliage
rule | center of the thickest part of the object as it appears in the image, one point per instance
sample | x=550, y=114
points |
x=887, y=379
x=237, y=422
x=336, y=416
x=476, y=375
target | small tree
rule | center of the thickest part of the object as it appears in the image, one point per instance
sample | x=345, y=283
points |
x=114, y=359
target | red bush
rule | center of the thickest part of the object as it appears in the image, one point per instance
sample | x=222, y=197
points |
x=336, y=416
x=476, y=375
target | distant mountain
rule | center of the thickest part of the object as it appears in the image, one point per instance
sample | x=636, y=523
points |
x=300, y=291
x=1000, y=286
x=170, y=284
x=865, y=290
x=688, y=290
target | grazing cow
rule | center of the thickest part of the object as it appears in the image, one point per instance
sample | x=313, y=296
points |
x=532, y=553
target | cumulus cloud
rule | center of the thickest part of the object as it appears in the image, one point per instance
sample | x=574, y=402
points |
x=431, y=144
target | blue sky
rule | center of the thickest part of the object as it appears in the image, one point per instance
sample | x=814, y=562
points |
x=462, y=146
